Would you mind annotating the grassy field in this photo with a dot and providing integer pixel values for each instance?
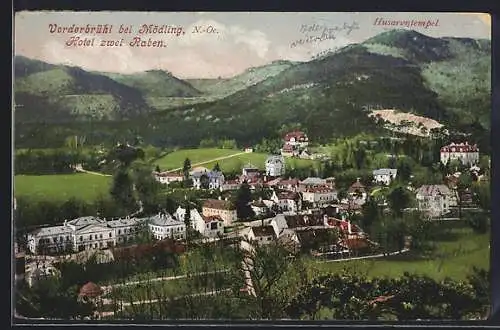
(176, 159)
(61, 187)
(454, 257)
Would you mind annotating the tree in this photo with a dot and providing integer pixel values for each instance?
(216, 167)
(122, 190)
(371, 214)
(157, 169)
(243, 200)
(399, 199)
(404, 170)
(204, 181)
(186, 167)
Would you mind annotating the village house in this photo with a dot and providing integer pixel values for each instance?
(250, 170)
(464, 152)
(287, 201)
(263, 235)
(222, 208)
(259, 207)
(319, 196)
(314, 182)
(164, 226)
(208, 226)
(168, 177)
(435, 200)
(357, 192)
(384, 175)
(208, 180)
(305, 154)
(275, 166)
(289, 150)
(296, 138)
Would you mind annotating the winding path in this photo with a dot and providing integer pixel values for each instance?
(209, 161)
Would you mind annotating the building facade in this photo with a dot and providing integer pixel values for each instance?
(222, 208)
(208, 180)
(464, 152)
(275, 166)
(435, 200)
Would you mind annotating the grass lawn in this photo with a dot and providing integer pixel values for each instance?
(258, 160)
(454, 257)
(176, 159)
(61, 187)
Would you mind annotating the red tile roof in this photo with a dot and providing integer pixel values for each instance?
(90, 290)
(298, 135)
(460, 147)
(288, 147)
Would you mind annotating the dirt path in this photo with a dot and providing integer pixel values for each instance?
(381, 255)
(79, 168)
(208, 161)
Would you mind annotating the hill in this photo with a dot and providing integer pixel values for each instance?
(60, 93)
(156, 83)
(334, 95)
(441, 79)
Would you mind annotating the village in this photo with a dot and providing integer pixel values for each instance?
(307, 216)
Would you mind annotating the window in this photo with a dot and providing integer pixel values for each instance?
(110, 234)
(100, 236)
(81, 238)
(119, 231)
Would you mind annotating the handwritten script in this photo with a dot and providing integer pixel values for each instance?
(143, 35)
(315, 33)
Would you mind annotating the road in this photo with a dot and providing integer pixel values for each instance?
(107, 288)
(209, 161)
(139, 302)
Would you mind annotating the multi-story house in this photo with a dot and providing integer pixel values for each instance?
(223, 208)
(289, 150)
(297, 138)
(275, 166)
(250, 170)
(319, 196)
(435, 200)
(357, 192)
(259, 207)
(384, 175)
(288, 184)
(91, 233)
(125, 229)
(262, 235)
(230, 185)
(314, 182)
(164, 226)
(464, 152)
(287, 201)
(208, 180)
(208, 226)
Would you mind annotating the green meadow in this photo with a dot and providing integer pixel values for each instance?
(454, 256)
(176, 159)
(61, 187)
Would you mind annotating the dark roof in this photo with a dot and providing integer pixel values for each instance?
(211, 218)
(218, 204)
(306, 237)
(294, 221)
(288, 195)
(90, 290)
(263, 231)
(357, 186)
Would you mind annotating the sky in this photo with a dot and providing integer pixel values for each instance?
(231, 43)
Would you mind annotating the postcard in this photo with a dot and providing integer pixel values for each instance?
(251, 166)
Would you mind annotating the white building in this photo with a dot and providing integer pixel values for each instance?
(319, 196)
(275, 166)
(90, 233)
(384, 175)
(164, 226)
(435, 200)
(259, 207)
(168, 177)
(210, 179)
(208, 226)
(250, 170)
(464, 152)
(261, 235)
(287, 201)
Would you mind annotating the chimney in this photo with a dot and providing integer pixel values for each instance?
(65, 222)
